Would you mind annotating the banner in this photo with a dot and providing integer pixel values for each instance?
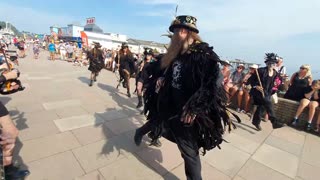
(91, 20)
(84, 38)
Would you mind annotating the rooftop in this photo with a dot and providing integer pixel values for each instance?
(93, 28)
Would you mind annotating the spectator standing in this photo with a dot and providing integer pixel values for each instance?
(69, 49)
(247, 87)
(63, 51)
(52, 50)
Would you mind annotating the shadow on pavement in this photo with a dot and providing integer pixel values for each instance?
(126, 104)
(123, 143)
(245, 127)
(84, 80)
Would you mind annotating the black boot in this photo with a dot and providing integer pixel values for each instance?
(140, 102)
(156, 143)
(128, 94)
(276, 123)
(140, 132)
(91, 82)
(257, 126)
(14, 173)
(138, 137)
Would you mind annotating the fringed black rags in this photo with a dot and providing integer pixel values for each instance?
(208, 101)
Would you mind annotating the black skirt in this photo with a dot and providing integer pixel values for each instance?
(96, 65)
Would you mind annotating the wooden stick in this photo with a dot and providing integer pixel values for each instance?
(260, 82)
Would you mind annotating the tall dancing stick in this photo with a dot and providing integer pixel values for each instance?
(260, 82)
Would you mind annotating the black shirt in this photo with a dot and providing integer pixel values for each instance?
(269, 82)
(308, 90)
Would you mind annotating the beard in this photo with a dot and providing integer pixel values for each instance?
(177, 46)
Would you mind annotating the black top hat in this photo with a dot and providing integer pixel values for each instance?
(124, 45)
(188, 22)
(148, 51)
(96, 44)
(271, 58)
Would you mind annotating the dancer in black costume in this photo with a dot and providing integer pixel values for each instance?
(186, 102)
(125, 63)
(96, 62)
(262, 83)
(143, 74)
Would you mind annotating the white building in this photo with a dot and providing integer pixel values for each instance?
(137, 46)
(104, 39)
(107, 40)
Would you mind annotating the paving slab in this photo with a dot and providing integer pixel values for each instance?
(238, 178)
(98, 154)
(95, 175)
(91, 134)
(43, 147)
(278, 160)
(228, 160)
(32, 107)
(30, 78)
(247, 131)
(93, 107)
(289, 135)
(61, 166)
(253, 170)
(33, 131)
(38, 117)
(75, 122)
(308, 172)
(61, 104)
(293, 148)
(70, 111)
(120, 126)
(208, 172)
(112, 115)
(125, 144)
(242, 143)
(131, 168)
(311, 151)
(162, 160)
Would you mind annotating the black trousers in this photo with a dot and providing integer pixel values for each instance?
(263, 103)
(186, 138)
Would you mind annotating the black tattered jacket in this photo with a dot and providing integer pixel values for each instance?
(192, 85)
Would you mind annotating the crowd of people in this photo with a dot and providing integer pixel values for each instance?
(300, 88)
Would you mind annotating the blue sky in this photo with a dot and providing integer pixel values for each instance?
(242, 29)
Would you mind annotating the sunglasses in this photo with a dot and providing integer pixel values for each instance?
(302, 68)
(239, 67)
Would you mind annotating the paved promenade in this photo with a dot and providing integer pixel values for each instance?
(69, 130)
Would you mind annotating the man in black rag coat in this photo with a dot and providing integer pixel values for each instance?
(185, 101)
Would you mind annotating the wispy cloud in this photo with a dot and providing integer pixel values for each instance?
(33, 20)
(265, 18)
(157, 2)
(158, 13)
